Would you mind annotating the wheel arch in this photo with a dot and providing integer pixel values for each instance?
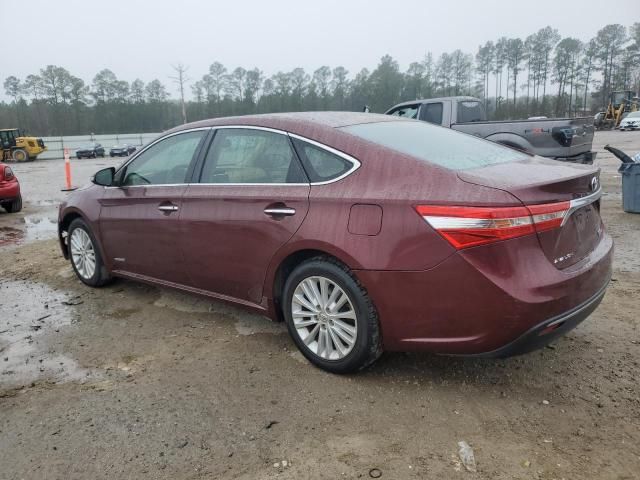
(63, 227)
(512, 141)
(282, 267)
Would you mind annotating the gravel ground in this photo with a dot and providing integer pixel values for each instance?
(132, 381)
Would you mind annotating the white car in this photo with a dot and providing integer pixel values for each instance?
(630, 122)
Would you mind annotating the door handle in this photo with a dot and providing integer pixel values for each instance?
(168, 208)
(280, 211)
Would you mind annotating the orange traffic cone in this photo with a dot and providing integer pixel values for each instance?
(67, 172)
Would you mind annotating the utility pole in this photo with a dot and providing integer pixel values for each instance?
(180, 79)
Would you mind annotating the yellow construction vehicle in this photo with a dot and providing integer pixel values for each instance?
(619, 103)
(14, 145)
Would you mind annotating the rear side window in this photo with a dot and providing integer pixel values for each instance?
(438, 145)
(470, 111)
(320, 164)
(432, 113)
(250, 156)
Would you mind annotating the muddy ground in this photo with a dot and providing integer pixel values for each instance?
(136, 382)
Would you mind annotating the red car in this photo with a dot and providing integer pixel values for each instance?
(362, 232)
(10, 198)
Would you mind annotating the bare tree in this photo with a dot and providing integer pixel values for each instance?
(181, 79)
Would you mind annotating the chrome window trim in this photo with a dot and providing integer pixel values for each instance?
(248, 127)
(140, 152)
(354, 162)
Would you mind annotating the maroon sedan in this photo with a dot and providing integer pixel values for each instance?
(362, 232)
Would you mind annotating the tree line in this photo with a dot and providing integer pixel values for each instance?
(543, 74)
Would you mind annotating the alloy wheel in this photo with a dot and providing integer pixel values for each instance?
(324, 318)
(83, 254)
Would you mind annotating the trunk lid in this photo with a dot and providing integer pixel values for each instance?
(540, 181)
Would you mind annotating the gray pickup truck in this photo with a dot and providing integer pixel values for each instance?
(566, 139)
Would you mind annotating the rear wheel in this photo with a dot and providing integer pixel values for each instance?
(85, 256)
(13, 206)
(20, 155)
(330, 317)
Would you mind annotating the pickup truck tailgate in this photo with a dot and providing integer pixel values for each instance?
(575, 134)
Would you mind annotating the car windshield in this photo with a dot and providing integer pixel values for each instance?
(434, 144)
(634, 115)
(88, 146)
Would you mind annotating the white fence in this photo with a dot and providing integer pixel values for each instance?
(56, 145)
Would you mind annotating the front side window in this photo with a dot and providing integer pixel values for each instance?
(251, 156)
(320, 164)
(409, 111)
(165, 162)
(432, 113)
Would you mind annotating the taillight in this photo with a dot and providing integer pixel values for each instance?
(8, 174)
(465, 227)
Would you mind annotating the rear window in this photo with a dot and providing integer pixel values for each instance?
(438, 145)
(470, 111)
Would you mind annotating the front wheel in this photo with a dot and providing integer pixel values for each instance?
(330, 317)
(20, 155)
(85, 256)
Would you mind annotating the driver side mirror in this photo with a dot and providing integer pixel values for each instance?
(104, 177)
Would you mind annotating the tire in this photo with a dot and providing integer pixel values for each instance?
(13, 206)
(20, 155)
(80, 232)
(111, 155)
(331, 353)
(102, 155)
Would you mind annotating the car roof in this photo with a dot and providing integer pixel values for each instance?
(295, 122)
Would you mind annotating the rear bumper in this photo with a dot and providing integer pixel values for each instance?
(483, 299)
(547, 331)
(9, 191)
(586, 158)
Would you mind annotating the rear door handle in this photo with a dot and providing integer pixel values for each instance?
(168, 208)
(280, 211)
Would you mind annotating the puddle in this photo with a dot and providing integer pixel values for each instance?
(246, 323)
(30, 314)
(47, 203)
(40, 227)
(29, 228)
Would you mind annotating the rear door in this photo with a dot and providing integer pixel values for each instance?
(251, 197)
(140, 219)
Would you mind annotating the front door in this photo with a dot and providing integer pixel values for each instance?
(140, 219)
(251, 199)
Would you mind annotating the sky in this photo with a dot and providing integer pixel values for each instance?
(142, 39)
